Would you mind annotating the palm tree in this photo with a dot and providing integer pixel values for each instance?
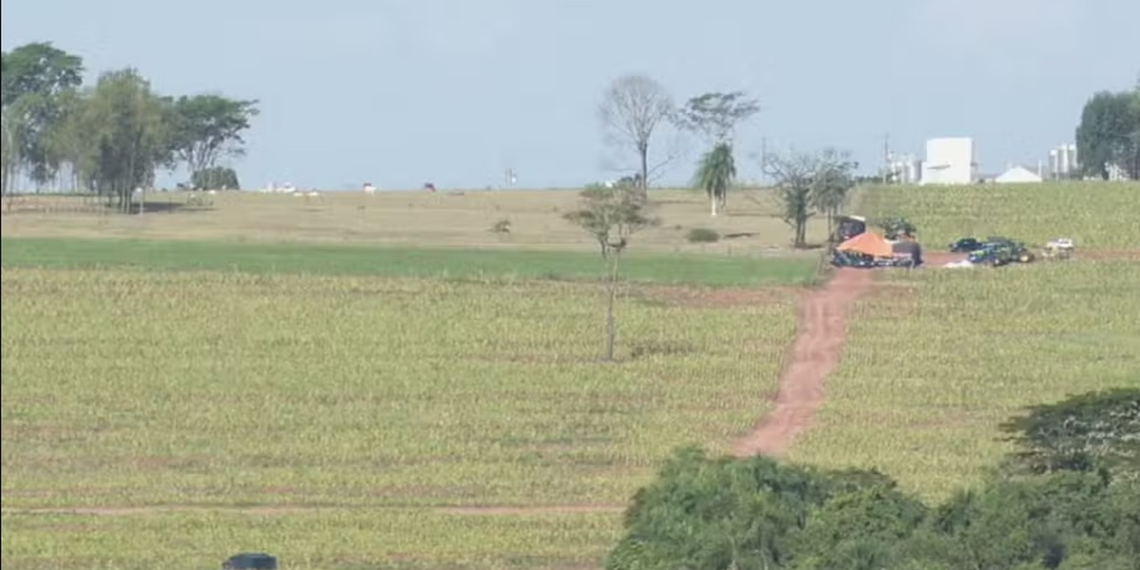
(715, 175)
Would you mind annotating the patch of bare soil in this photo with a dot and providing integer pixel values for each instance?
(813, 356)
(1108, 254)
(940, 258)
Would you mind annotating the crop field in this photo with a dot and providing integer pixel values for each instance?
(348, 413)
(442, 263)
(1095, 215)
(462, 219)
(937, 359)
(401, 388)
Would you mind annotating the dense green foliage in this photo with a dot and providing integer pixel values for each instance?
(715, 174)
(108, 138)
(1109, 134)
(755, 514)
(215, 178)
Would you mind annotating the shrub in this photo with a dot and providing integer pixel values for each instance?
(703, 235)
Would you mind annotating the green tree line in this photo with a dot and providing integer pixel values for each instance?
(1108, 135)
(1068, 498)
(111, 137)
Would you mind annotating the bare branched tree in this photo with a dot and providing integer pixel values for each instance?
(834, 178)
(632, 110)
(795, 177)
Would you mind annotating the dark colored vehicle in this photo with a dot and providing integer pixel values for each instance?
(965, 245)
(1000, 253)
(851, 259)
(1014, 249)
(995, 255)
(848, 227)
(250, 561)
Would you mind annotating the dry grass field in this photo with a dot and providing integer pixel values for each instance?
(451, 219)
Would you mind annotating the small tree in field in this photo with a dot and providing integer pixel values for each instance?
(715, 175)
(612, 215)
(795, 177)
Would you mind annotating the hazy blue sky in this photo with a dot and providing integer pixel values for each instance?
(453, 91)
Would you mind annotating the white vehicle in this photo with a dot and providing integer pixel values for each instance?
(1060, 248)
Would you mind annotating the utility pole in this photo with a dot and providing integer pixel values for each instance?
(763, 160)
(886, 157)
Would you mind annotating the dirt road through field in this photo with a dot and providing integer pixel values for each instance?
(813, 356)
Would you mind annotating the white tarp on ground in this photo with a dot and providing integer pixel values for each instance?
(965, 263)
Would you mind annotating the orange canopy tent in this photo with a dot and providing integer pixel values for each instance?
(868, 243)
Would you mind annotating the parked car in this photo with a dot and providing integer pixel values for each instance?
(966, 245)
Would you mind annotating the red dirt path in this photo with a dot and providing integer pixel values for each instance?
(813, 356)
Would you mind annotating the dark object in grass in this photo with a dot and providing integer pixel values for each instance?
(703, 235)
(250, 561)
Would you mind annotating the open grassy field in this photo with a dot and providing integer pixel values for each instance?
(937, 359)
(446, 219)
(391, 261)
(376, 400)
(352, 400)
(1095, 215)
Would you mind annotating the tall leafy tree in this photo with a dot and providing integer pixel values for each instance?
(38, 68)
(10, 145)
(34, 79)
(715, 175)
(1136, 127)
(123, 135)
(715, 116)
(65, 140)
(209, 128)
(1106, 136)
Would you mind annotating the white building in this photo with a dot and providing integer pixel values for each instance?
(1063, 162)
(1019, 175)
(905, 169)
(950, 161)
